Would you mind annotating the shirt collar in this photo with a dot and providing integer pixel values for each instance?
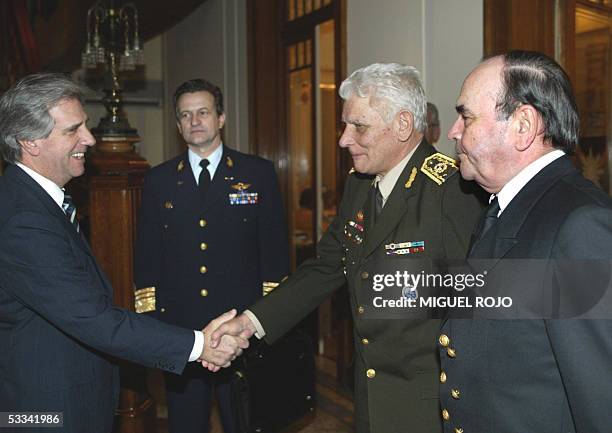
(516, 184)
(56, 193)
(213, 160)
(388, 181)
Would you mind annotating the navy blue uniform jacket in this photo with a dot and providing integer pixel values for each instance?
(196, 259)
(57, 322)
(547, 375)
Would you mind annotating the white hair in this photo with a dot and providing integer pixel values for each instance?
(392, 87)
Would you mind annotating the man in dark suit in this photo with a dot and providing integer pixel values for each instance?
(59, 330)
(517, 124)
(402, 200)
(211, 237)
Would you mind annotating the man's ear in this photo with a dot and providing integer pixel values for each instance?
(32, 147)
(527, 124)
(405, 124)
(221, 120)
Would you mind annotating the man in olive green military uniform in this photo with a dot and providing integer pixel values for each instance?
(421, 201)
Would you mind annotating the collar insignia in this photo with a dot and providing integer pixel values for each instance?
(413, 174)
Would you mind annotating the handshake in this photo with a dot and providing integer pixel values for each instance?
(224, 339)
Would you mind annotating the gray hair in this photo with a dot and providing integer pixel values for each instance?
(396, 86)
(24, 110)
(432, 114)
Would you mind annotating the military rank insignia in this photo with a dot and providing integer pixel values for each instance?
(438, 167)
(242, 196)
(402, 248)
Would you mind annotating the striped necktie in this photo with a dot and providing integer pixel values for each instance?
(70, 211)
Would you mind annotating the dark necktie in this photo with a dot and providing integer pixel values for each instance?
(379, 201)
(204, 179)
(487, 224)
(70, 211)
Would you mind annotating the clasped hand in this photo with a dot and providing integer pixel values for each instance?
(225, 349)
(224, 339)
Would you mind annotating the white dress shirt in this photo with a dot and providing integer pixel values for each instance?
(516, 184)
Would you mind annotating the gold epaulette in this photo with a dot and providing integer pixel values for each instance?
(439, 167)
(268, 286)
(144, 300)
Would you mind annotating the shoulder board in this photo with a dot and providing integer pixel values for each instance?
(439, 167)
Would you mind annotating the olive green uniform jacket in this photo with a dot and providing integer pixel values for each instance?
(396, 363)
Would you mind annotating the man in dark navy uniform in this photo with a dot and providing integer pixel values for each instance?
(211, 237)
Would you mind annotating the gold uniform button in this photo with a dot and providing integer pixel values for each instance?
(202, 223)
(451, 353)
(203, 269)
(364, 275)
(371, 373)
(445, 415)
(443, 340)
(203, 292)
(458, 430)
(360, 310)
(442, 377)
(365, 341)
(203, 246)
(455, 393)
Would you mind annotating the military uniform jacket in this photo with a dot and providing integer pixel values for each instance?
(396, 364)
(196, 259)
(544, 376)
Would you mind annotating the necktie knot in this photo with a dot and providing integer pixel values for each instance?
(204, 163)
(493, 209)
(70, 211)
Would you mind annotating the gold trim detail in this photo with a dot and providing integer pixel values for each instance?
(144, 300)
(438, 167)
(168, 205)
(413, 174)
(352, 170)
(268, 286)
(181, 166)
(229, 162)
(241, 186)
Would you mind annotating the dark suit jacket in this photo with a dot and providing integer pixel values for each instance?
(207, 257)
(544, 376)
(396, 362)
(58, 327)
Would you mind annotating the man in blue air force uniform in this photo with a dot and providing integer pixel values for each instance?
(211, 237)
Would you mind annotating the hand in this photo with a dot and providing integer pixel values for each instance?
(239, 326)
(225, 350)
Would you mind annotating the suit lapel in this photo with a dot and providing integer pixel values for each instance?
(187, 192)
(398, 204)
(26, 181)
(518, 210)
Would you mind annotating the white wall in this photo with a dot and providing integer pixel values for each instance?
(442, 38)
(454, 42)
(210, 43)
